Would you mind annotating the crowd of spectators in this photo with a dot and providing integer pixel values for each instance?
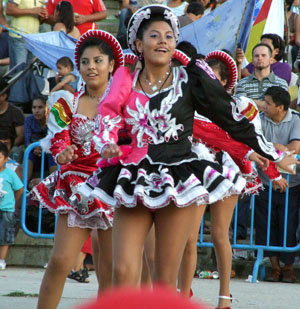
(266, 80)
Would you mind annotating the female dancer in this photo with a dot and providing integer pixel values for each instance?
(64, 19)
(218, 140)
(162, 179)
(70, 126)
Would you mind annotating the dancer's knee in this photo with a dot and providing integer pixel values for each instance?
(60, 263)
(219, 236)
(124, 272)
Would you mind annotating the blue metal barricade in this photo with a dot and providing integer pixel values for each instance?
(259, 264)
(245, 246)
(37, 234)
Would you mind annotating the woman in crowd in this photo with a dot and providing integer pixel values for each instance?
(64, 19)
(35, 130)
(70, 128)
(162, 179)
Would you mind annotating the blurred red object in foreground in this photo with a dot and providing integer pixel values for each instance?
(160, 297)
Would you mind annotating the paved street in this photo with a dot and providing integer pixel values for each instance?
(261, 295)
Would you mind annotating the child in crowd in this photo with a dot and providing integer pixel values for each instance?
(8, 139)
(65, 79)
(11, 189)
(35, 130)
(296, 7)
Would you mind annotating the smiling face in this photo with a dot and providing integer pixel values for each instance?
(158, 43)
(95, 67)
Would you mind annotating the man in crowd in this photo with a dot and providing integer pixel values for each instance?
(280, 125)
(255, 85)
(11, 117)
(128, 8)
(4, 55)
(194, 12)
(86, 12)
(25, 17)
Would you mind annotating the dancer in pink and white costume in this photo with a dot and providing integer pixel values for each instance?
(71, 124)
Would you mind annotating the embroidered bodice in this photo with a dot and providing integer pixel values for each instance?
(161, 125)
(67, 127)
(81, 132)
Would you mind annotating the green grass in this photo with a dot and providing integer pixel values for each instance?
(21, 294)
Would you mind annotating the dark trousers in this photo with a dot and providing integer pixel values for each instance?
(277, 221)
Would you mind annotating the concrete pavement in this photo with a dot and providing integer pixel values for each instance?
(262, 295)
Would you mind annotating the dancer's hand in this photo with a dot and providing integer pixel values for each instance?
(280, 147)
(287, 161)
(111, 151)
(281, 183)
(67, 155)
(262, 162)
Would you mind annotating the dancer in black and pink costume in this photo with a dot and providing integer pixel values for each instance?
(162, 180)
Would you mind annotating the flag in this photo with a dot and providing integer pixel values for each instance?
(259, 25)
(276, 13)
(50, 46)
(218, 29)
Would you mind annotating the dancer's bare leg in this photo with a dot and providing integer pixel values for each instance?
(189, 258)
(79, 261)
(95, 250)
(104, 261)
(173, 227)
(131, 226)
(67, 245)
(148, 258)
(146, 279)
(221, 215)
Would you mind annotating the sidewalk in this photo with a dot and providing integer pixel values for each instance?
(262, 295)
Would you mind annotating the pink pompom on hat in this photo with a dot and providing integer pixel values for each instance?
(230, 63)
(109, 39)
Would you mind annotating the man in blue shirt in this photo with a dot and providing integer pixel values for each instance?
(280, 125)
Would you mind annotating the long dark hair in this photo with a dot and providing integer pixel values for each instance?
(95, 42)
(65, 15)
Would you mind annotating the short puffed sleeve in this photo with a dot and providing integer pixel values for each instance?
(60, 111)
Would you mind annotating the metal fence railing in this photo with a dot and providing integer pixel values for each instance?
(259, 264)
(24, 226)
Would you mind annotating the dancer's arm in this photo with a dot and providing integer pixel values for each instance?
(110, 114)
(211, 100)
(58, 134)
